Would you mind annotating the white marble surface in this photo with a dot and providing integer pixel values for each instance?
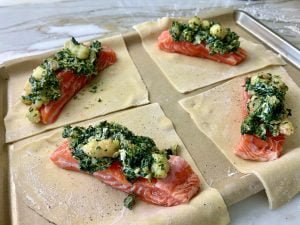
(255, 211)
(32, 26)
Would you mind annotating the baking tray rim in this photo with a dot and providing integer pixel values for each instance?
(285, 51)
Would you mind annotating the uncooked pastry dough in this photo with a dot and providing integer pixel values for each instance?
(217, 113)
(118, 86)
(66, 197)
(187, 73)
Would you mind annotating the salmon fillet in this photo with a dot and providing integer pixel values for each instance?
(70, 84)
(178, 187)
(166, 43)
(254, 148)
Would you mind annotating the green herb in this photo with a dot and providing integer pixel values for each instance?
(174, 150)
(266, 110)
(137, 157)
(197, 33)
(135, 153)
(74, 41)
(129, 201)
(67, 61)
(47, 88)
(93, 89)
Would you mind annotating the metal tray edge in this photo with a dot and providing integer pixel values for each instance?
(268, 37)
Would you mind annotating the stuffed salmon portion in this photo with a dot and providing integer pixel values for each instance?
(54, 82)
(70, 84)
(178, 187)
(204, 39)
(112, 176)
(166, 43)
(129, 163)
(266, 122)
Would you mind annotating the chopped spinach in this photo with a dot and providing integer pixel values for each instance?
(46, 87)
(93, 89)
(196, 33)
(74, 41)
(265, 87)
(266, 109)
(129, 201)
(136, 157)
(135, 152)
(67, 61)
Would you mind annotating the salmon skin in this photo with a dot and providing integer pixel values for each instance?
(70, 84)
(166, 43)
(254, 148)
(178, 187)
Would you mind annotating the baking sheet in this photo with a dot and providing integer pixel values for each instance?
(216, 169)
(266, 35)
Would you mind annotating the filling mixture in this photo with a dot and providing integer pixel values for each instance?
(98, 147)
(217, 39)
(43, 85)
(267, 115)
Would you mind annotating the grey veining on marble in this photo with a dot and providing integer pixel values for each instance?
(32, 26)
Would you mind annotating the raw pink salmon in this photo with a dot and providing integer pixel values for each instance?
(254, 148)
(166, 43)
(70, 84)
(178, 187)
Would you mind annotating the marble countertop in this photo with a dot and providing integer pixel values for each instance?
(32, 26)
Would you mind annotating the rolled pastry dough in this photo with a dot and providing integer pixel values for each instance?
(65, 197)
(218, 114)
(118, 87)
(187, 73)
